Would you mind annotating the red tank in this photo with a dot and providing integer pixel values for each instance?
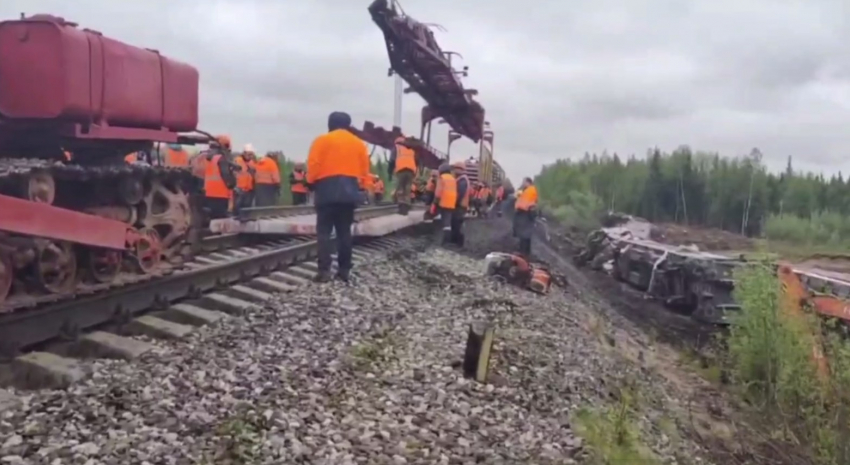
(51, 70)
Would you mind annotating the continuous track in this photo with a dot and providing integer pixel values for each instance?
(227, 260)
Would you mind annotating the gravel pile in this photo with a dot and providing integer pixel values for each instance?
(366, 374)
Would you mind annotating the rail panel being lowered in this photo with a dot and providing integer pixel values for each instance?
(369, 221)
(416, 56)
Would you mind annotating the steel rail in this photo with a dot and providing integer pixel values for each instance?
(44, 318)
(22, 329)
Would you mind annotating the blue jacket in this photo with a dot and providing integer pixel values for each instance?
(462, 187)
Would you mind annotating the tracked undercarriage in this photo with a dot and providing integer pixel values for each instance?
(155, 203)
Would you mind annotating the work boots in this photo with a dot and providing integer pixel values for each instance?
(323, 277)
(403, 209)
(344, 275)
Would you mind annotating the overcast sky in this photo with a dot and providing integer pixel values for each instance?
(562, 79)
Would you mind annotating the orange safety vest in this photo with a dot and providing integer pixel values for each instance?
(299, 188)
(483, 193)
(500, 193)
(527, 199)
(405, 159)
(199, 165)
(176, 158)
(464, 202)
(447, 191)
(267, 172)
(132, 157)
(214, 186)
(245, 180)
(379, 186)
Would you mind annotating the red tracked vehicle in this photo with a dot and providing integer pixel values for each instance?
(416, 56)
(73, 103)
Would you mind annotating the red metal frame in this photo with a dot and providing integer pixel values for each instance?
(377, 135)
(41, 220)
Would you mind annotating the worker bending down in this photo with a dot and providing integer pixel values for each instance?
(445, 200)
(337, 165)
(176, 156)
(219, 178)
(464, 191)
(431, 187)
(298, 185)
(403, 165)
(267, 181)
(245, 177)
(378, 188)
(525, 215)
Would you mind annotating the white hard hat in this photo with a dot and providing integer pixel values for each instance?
(248, 148)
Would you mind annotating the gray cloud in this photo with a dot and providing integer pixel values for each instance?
(557, 80)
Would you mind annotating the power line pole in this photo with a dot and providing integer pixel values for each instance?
(397, 98)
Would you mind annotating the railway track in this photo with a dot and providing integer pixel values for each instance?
(225, 277)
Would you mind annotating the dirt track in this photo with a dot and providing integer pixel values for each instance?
(653, 337)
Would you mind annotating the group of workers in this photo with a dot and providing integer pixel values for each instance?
(338, 176)
(230, 182)
(241, 181)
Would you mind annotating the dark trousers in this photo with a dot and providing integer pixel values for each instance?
(217, 208)
(458, 216)
(379, 197)
(299, 198)
(338, 218)
(265, 195)
(244, 200)
(404, 180)
(443, 225)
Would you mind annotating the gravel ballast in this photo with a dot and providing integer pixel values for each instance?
(366, 374)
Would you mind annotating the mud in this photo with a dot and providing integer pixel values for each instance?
(708, 239)
(654, 338)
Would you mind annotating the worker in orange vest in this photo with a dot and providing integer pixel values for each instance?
(176, 156)
(483, 198)
(464, 191)
(403, 165)
(298, 184)
(504, 191)
(378, 188)
(245, 177)
(219, 178)
(431, 187)
(267, 181)
(525, 215)
(445, 201)
(337, 167)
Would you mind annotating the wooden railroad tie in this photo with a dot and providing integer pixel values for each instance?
(479, 348)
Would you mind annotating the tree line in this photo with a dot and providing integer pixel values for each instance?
(701, 188)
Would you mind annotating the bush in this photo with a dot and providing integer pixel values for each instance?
(822, 229)
(579, 210)
(771, 349)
